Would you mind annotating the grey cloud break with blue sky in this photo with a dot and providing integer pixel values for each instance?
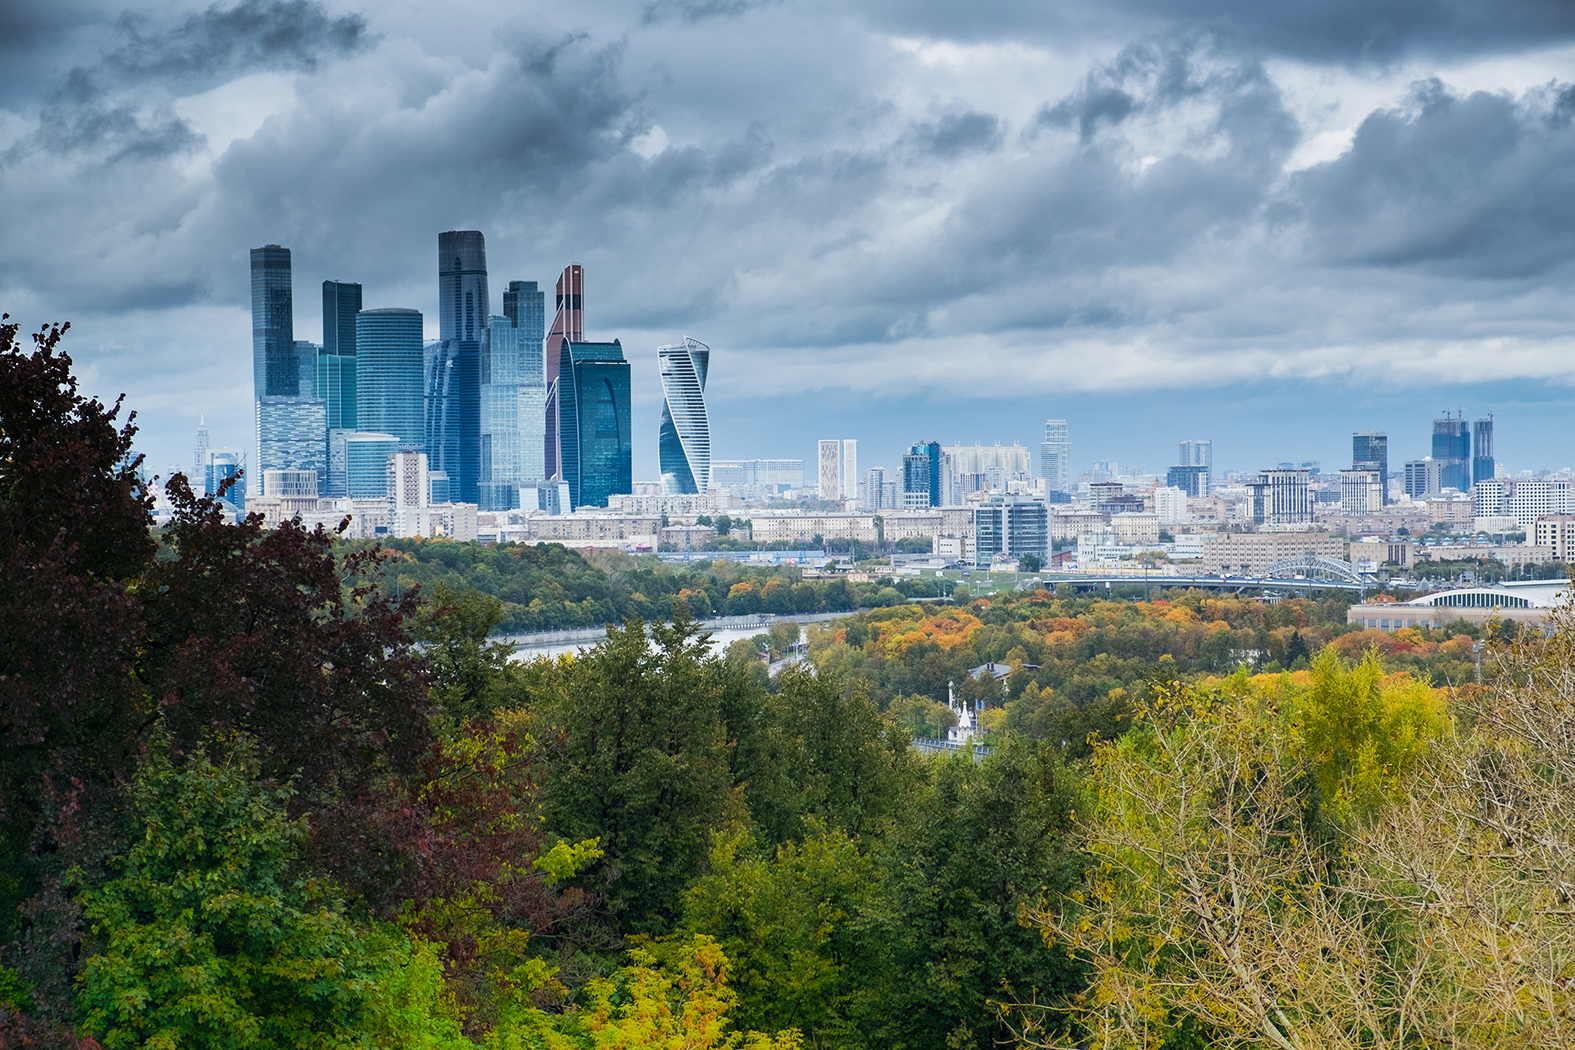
(1269, 224)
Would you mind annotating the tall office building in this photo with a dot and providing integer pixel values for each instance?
(388, 365)
(684, 439)
(199, 455)
(292, 435)
(1011, 525)
(1482, 450)
(334, 368)
(921, 476)
(275, 372)
(341, 302)
(513, 397)
(880, 492)
(1055, 457)
(568, 325)
(1422, 478)
(1192, 480)
(221, 464)
(1370, 451)
(1452, 451)
(453, 368)
(594, 438)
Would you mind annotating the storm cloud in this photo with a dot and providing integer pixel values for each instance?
(905, 202)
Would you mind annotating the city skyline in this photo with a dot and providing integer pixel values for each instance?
(936, 218)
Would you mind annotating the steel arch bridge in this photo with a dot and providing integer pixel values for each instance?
(1315, 567)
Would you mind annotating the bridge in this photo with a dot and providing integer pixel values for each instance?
(1291, 577)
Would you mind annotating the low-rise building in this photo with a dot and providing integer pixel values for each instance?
(1523, 602)
(689, 537)
(1255, 553)
(1135, 528)
(802, 528)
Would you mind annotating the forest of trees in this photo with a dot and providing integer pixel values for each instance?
(259, 792)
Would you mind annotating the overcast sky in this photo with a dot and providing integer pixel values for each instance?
(1268, 224)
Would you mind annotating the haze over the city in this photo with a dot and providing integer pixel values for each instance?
(1269, 225)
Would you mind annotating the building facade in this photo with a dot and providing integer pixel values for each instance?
(1011, 526)
(683, 442)
(341, 302)
(1422, 478)
(1194, 480)
(756, 478)
(1281, 497)
(292, 434)
(922, 473)
(388, 374)
(1361, 491)
(568, 325)
(1370, 451)
(513, 398)
(829, 468)
(1452, 452)
(593, 426)
(275, 372)
(1055, 457)
(1482, 464)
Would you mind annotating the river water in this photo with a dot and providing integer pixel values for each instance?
(720, 640)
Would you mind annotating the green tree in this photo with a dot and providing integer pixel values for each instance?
(208, 935)
(469, 672)
(643, 763)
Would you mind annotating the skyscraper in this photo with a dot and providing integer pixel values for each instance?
(1055, 456)
(1482, 464)
(1370, 451)
(567, 325)
(388, 364)
(1452, 451)
(512, 398)
(684, 438)
(850, 468)
(1196, 454)
(829, 460)
(453, 391)
(341, 302)
(593, 425)
(199, 455)
(274, 369)
(921, 476)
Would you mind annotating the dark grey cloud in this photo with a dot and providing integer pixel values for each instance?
(1480, 185)
(252, 35)
(693, 11)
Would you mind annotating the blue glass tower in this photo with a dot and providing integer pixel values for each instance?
(684, 439)
(388, 374)
(275, 372)
(453, 423)
(513, 397)
(593, 421)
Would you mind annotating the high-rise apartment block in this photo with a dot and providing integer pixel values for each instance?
(388, 379)
(1281, 497)
(1452, 451)
(829, 460)
(1482, 465)
(408, 489)
(881, 492)
(1370, 451)
(850, 468)
(684, 438)
(292, 434)
(568, 326)
(756, 478)
(1196, 454)
(983, 468)
(594, 439)
(1055, 457)
(513, 398)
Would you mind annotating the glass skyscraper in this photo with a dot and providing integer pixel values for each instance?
(513, 398)
(1482, 466)
(1452, 452)
(388, 364)
(453, 409)
(341, 302)
(568, 323)
(1055, 457)
(292, 434)
(275, 372)
(593, 424)
(1370, 451)
(684, 439)
(366, 464)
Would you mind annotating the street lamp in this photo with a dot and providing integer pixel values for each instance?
(1476, 650)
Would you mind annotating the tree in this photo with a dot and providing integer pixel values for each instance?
(205, 936)
(1030, 562)
(641, 765)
